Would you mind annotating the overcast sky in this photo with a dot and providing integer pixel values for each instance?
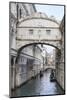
(51, 10)
(48, 48)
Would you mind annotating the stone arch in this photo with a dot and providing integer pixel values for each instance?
(22, 47)
(49, 68)
(38, 15)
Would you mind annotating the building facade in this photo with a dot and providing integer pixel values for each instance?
(60, 64)
(29, 64)
(16, 12)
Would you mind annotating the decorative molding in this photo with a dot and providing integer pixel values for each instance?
(38, 27)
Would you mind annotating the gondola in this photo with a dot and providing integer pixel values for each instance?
(41, 73)
(52, 76)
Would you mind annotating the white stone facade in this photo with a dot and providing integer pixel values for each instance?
(30, 63)
(37, 28)
(61, 67)
(16, 12)
(14, 9)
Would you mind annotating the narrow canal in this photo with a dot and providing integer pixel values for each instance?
(38, 86)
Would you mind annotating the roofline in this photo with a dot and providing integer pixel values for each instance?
(41, 3)
(29, 18)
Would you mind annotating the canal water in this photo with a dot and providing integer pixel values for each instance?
(39, 86)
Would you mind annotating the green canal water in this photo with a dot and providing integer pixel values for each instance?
(39, 86)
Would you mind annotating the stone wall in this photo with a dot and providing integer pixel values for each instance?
(16, 12)
(60, 67)
(29, 64)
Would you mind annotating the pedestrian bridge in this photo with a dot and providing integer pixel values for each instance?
(48, 67)
(38, 28)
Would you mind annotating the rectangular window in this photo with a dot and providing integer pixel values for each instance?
(31, 31)
(48, 31)
(20, 13)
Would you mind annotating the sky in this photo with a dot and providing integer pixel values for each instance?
(51, 10)
(48, 48)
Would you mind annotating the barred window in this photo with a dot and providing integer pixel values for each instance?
(48, 31)
(31, 31)
(20, 13)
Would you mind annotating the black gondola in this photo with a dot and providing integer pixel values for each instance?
(52, 76)
(41, 73)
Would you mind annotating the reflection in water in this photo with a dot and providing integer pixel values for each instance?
(38, 86)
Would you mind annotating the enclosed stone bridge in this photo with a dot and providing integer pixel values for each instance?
(49, 67)
(38, 28)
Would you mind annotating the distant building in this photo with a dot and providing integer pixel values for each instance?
(51, 58)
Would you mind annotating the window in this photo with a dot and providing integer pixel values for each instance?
(31, 31)
(20, 13)
(48, 31)
(12, 61)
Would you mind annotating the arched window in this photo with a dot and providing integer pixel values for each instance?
(12, 61)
